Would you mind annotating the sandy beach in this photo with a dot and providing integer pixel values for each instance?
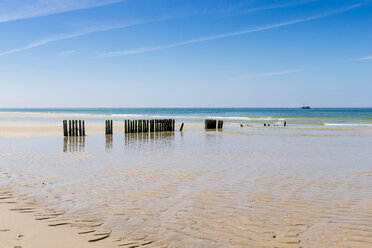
(52, 125)
(240, 187)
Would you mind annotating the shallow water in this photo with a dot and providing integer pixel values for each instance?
(252, 116)
(256, 187)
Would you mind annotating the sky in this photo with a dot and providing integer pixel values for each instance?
(185, 53)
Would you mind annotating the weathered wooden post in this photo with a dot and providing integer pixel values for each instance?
(220, 124)
(181, 127)
(69, 128)
(83, 128)
(65, 133)
(108, 127)
(80, 130)
(76, 128)
(73, 127)
(285, 123)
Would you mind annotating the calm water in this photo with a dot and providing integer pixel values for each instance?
(317, 116)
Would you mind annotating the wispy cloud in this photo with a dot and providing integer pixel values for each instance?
(64, 37)
(271, 74)
(226, 35)
(20, 9)
(363, 58)
(270, 7)
(67, 53)
(45, 41)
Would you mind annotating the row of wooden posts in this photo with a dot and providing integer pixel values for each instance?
(145, 126)
(73, 128)
(77, 127)
(213, 124)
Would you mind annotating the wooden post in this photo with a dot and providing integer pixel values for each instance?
(285, 123)
(220, 124)
(181, 127)
(73, 127)
(83, 128)
(76, 128)
(80, 131)
(106, 127)
(65, 133)
(69, 128)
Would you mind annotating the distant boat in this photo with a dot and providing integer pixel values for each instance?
(305, 107)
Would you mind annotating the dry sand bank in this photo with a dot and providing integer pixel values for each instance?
(14, 129)
(21, 230)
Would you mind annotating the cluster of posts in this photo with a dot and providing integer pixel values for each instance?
(73, 128)
(213, 124)
(109, 129)
(145, 126)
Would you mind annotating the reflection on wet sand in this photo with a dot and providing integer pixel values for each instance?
(109, 138)
(73, 144)
(136, 140)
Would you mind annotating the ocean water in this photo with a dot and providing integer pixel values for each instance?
(249, 116)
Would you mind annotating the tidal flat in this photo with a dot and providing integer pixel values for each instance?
(240, 187)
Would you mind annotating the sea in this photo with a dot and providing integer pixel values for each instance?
(233, 116)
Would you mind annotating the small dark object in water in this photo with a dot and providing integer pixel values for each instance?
(241, 125)
(264, 124)
(268, 125)
(285, 123)
(305, 107)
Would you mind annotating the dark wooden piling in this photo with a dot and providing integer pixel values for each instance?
(151, 126)
(65, 132)
(73, 128)
(69, 128)
(109, 128)
(220, 124)
(84, 128)
(181, 127)
(285, 123)
(80, 130)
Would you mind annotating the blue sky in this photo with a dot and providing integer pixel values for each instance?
(185, 53)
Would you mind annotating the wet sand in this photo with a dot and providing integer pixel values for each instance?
(243, 187)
